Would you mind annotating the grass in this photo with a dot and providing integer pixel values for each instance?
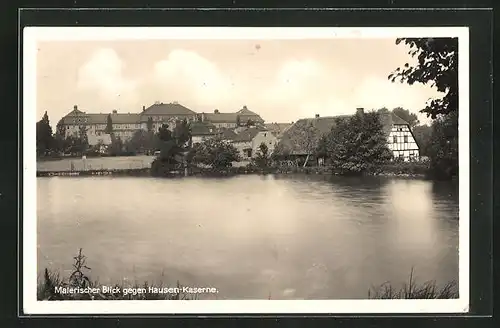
(413, 290)
(92, 290)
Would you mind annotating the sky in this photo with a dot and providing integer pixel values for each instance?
(281, 80)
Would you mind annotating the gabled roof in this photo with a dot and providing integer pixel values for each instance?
(246, 111)
(171, 109)
(248, 134)
(278, 128)
(227, 134)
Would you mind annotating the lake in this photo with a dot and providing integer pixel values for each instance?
(252, 237)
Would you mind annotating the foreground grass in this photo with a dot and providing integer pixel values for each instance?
(49, 287)
(413, 290)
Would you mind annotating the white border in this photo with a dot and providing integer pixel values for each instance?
(32, 35)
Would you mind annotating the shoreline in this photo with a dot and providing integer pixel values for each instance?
(145, 172)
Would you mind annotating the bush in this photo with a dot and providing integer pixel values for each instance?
(410, 168)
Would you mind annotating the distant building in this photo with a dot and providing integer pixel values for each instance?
(231, 120)
(278, 128)
(126, 124)
(400, 139)
(201, 131)
(248, 142)
(161, 113)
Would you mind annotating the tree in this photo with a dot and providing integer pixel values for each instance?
(109, 125)
(215, 153)
(44, 139)
(423, 135)
(262, 157)
(116, 147)
(83, 141)
(322, 147)
(358, 144)
(443, 146)
(238, 120)
(280, 152)
(250, 123)
(182, 133)
(406, 115)
(311, 137)
(438, 65)
(149, 124)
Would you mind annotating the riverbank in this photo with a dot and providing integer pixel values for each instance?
(80, 286)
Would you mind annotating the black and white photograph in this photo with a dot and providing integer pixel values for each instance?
(245, 170)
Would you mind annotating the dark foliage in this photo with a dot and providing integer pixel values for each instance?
(438, 65)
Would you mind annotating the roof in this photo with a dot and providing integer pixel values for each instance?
(171, 109)
(294, 138)
(79, 117)
(227, 134)
(221, 117)
(202, 128)
(278, 128)
(388, 119)
(246, 111)
(247, 135)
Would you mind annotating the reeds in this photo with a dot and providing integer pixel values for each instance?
(413, 290)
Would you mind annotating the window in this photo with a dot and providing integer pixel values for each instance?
(395, 139)
(265, 134)
(249, 153)
(405, 139)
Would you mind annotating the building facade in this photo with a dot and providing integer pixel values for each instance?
(400, 138)
(248, 142)
(153, 117)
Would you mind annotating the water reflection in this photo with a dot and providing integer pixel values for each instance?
(307, 236)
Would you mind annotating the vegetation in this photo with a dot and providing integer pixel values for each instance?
(262, 159)
(51, 282)
(50, 285)
(173, 146)
(413, 290)
(214, 153)
(437, 65)
(44, 138)
(357, 145)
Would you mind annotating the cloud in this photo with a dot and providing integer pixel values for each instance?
(185, 76)
(103, 73)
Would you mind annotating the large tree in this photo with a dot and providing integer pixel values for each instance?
(109, 125)
(423, 135)
(262, 157)
(443, 146)
(406, 115)
(216, 153)
(437, 65)
(44, 138)
(358, 144)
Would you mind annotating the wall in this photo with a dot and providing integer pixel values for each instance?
(405, 145)
(264, 137)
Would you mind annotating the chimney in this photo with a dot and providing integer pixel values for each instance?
(75, 107)
(115, 111)
(360, 110)
(317, 116)
(216, 111)
(143, 108)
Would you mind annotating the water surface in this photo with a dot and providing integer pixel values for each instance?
(288, 237)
